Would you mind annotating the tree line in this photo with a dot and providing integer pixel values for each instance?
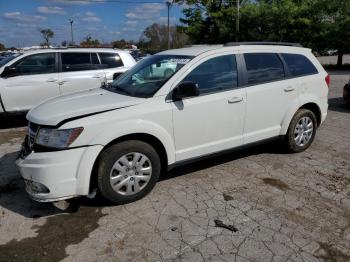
(317, 24)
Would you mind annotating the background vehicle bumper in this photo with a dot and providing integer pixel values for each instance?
(53, 176)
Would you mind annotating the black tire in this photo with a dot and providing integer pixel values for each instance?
(109, 157)
(290, 142)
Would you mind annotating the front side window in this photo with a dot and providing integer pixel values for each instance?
(79, 62)
(44, 63)
(149, 75)
(215, 74)
(110, 60)
(299, 65)
(263, 67)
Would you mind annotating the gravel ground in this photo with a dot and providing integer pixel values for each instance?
(277, 207)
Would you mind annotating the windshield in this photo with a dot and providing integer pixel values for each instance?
(149, 75)
(7, 59)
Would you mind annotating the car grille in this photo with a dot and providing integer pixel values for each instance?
(32, 131)
(29, 141)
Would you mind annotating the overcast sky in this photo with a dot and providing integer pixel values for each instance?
(106, 20)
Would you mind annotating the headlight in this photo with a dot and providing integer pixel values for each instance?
(56, 138)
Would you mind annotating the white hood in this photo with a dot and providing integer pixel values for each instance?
(55, 110)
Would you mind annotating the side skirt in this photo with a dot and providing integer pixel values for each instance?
(224, 152)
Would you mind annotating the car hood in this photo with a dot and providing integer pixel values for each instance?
(85, 103)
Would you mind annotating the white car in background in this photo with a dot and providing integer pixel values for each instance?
(37, 75)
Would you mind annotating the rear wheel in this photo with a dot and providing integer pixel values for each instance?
(301, 131)
(128, 171)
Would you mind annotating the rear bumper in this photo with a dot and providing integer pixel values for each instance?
(324, 113)
(53, 176)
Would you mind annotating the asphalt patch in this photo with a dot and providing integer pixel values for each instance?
(227, 197)
(276, 183)
(9, 188)
(53, 237)
(331, 254)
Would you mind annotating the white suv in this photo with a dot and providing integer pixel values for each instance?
(118, 140)
(30, 78)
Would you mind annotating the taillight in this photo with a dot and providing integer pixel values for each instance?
(328, 80)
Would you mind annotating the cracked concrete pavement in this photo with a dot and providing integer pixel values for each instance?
(286, 207)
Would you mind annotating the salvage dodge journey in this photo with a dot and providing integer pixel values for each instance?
(119, 139)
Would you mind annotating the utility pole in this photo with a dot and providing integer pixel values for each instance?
(168, 3)
(71, 21)
(237, 20)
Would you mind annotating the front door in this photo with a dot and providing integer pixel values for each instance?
(214, 120)
(34, 82)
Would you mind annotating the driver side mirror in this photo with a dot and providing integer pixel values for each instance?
(9, 72)
(184, 90)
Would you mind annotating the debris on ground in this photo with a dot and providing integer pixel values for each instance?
(219, 223)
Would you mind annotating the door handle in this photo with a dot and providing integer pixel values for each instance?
(288, 89)
(97, 76)
(235, 100)
(50, 80)
(62, 82)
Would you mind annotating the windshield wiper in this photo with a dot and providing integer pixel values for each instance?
(120, 89)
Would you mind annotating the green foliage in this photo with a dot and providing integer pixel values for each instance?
(155, 38)
(121, 44)
(318, 24)
(2, 47)
(89, 42)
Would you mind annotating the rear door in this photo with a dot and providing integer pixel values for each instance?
(80, 71)
(35, 81)
(269, 95)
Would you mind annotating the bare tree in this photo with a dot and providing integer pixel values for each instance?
(47, 34)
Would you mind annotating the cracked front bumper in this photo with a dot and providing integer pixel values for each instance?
(53, 176)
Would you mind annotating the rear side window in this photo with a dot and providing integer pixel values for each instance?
(299, 65)
(110, 60)
(79, 62)
(263, 67)
(215, 74)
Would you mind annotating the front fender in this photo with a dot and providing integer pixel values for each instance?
(129, 127)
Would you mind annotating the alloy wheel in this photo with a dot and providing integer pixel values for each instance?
(130, 173)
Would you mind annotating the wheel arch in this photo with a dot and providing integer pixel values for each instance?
(144, 137)
(314, 108)
(310, 105)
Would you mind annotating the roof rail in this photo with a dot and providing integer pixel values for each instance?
(263, 43)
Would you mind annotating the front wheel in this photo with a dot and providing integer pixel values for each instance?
(128, 171)
(301, 131)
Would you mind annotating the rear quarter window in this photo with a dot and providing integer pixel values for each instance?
(110, 60)
(299, 65)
